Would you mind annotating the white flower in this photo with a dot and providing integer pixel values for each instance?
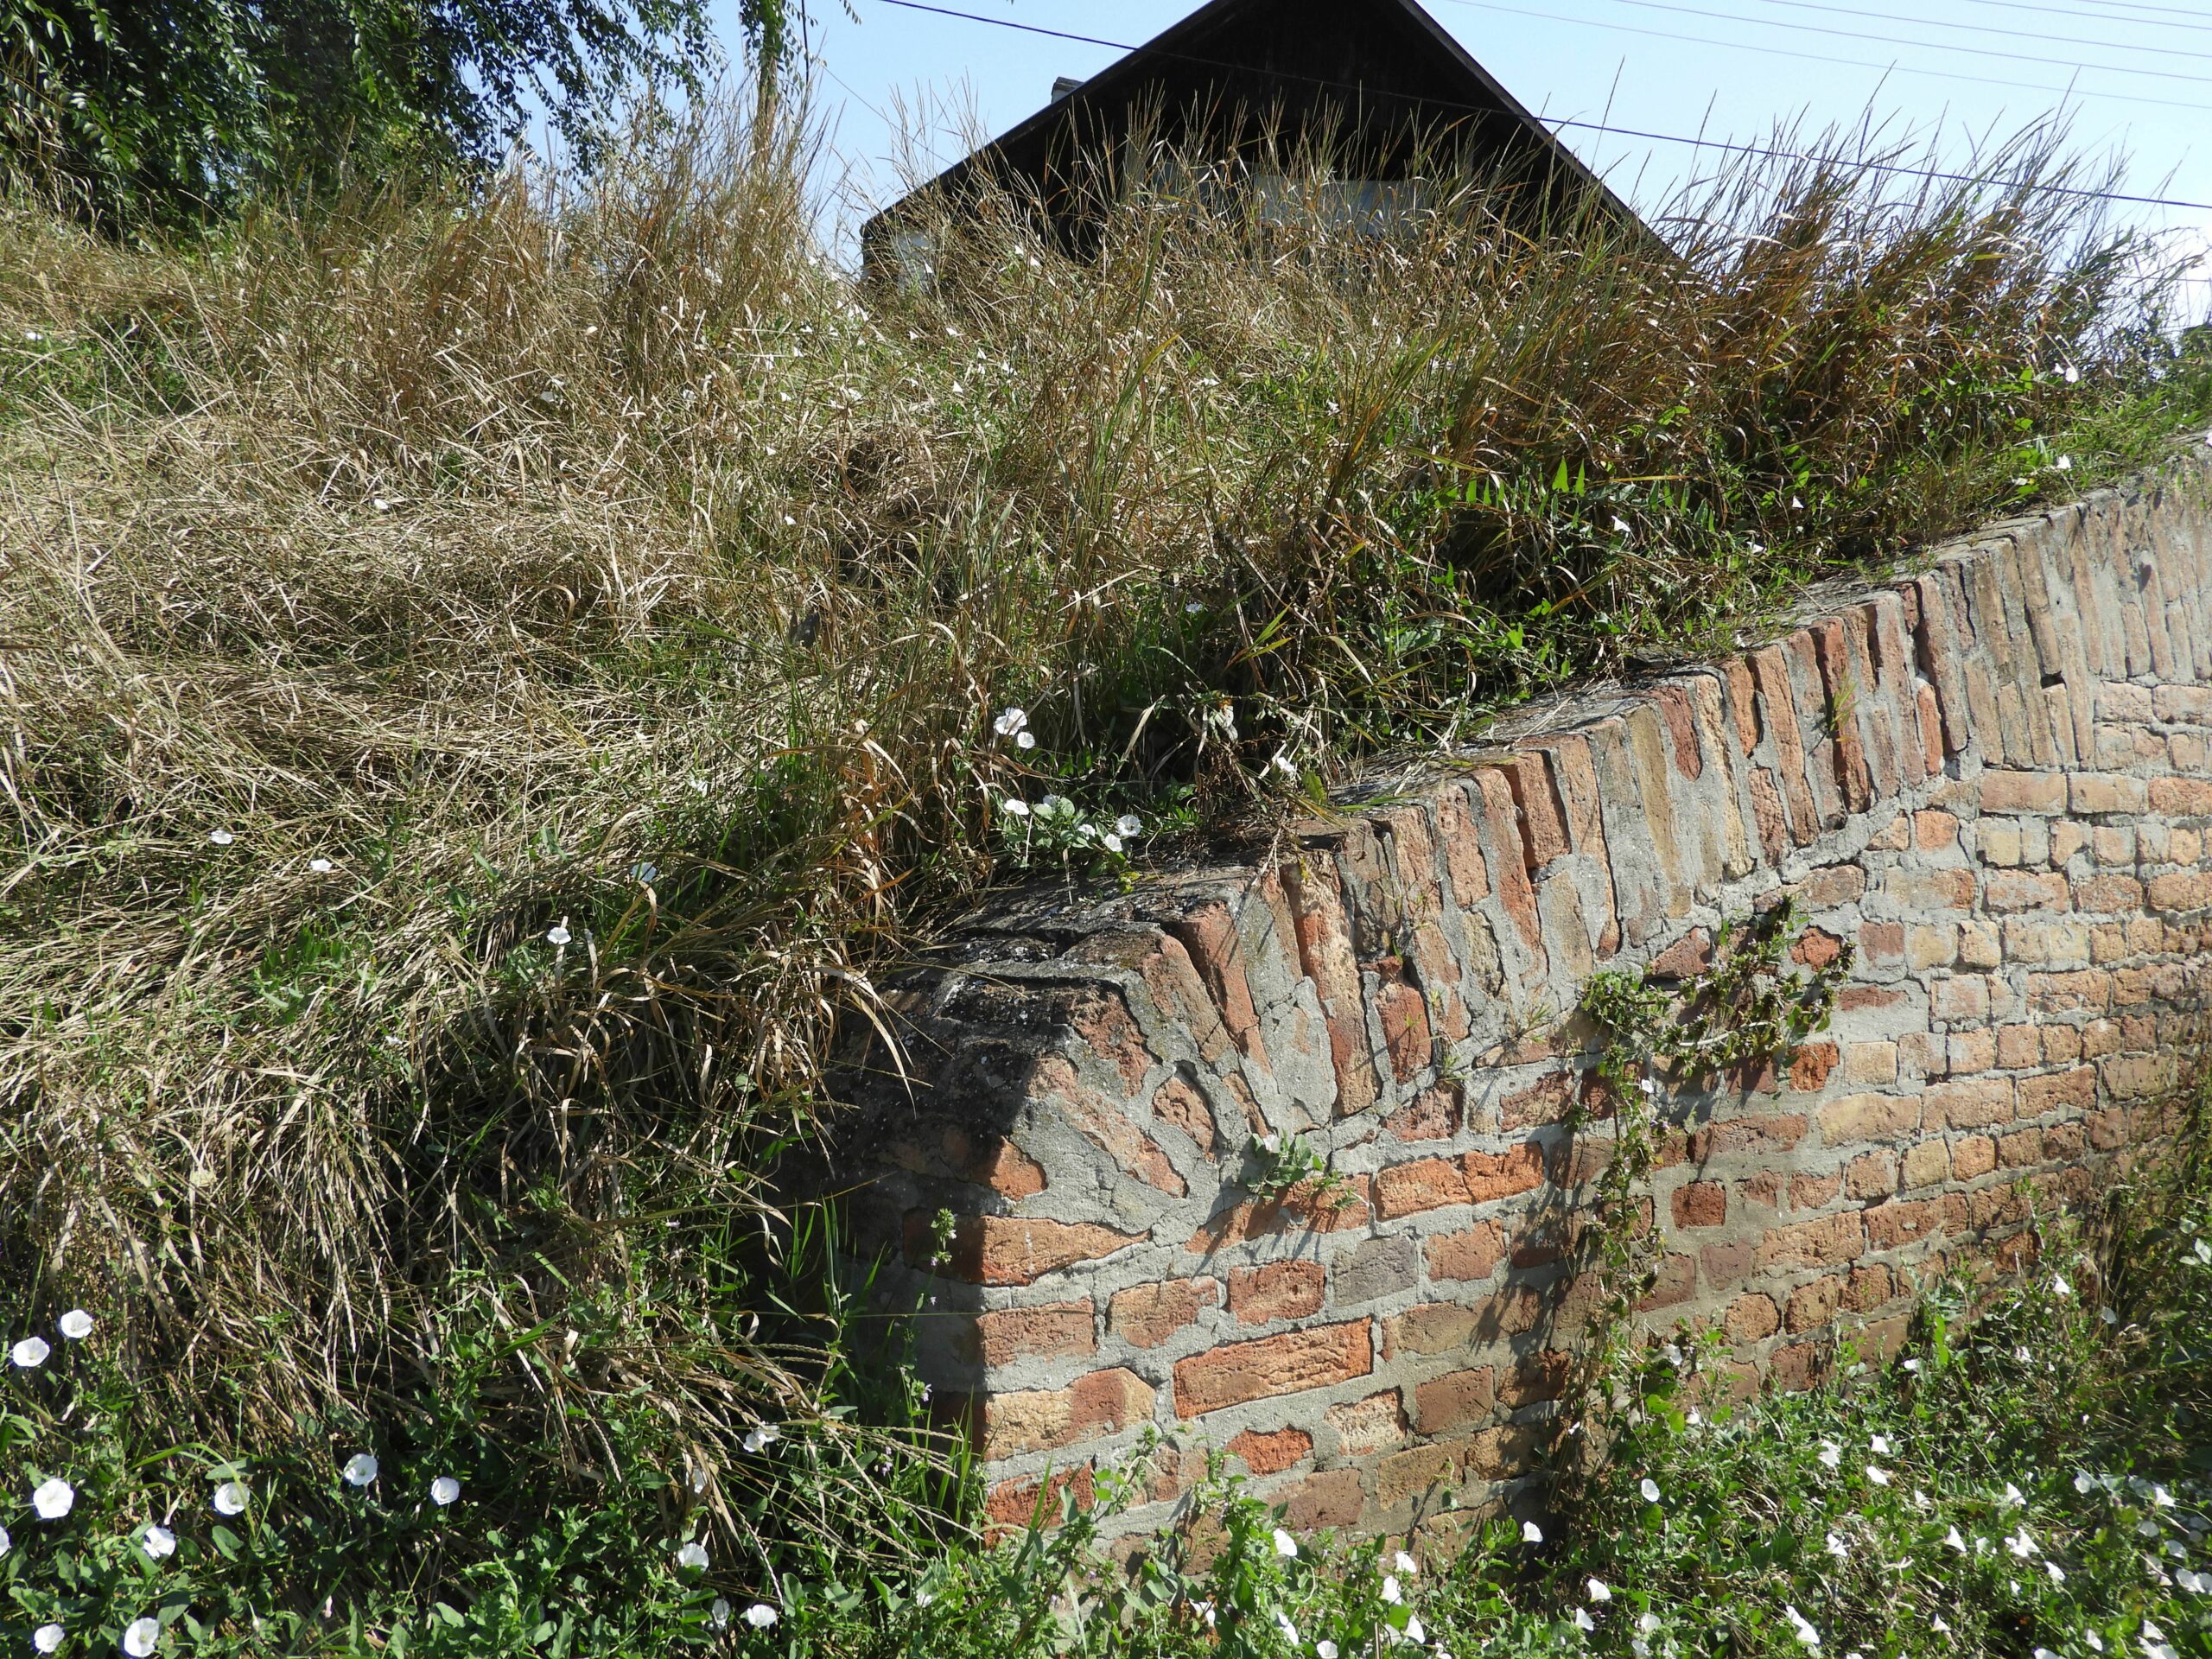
(141, 1638)
(1531, 1533)
(761, 1436)
(1802, 1625)
(1406, 1564)
(1052, 805)
(2095, 1641)
(54, 1498)
(1937, 1625)
(2109, 1315)
(360, 1469)
(558, 934)
(1650, 1490)
(1648, 1623)
(1913, 1365)
(1204, 1610)
(47, 1637)
(6, 1542)
(1024, 741)
(1391, 1594)
(1620, 526)
(320, 866)
(1600, 1591)
(1838, 1548)
(1285, 1545)
(444, 1489)
(2161, 1498)
(1111, 841)
(2151, 1630)
(1879, 1476)
(1014, 809)
(760, 1615)
(1010, 721)
(2072, 374)
(1583, 1621)
(1881, 1445)
(1324, 1649)
(1919, 1499)
(1414, 1630)
(1648, 1086)
(718, 1615)
(1954, 1541)
(1831, 1454)
(221, 837)
(159, 1543)
(2059, 1286)
(2020, 1544)
(2066, 463)
(1289, 1630)
(2057, 1575)
(1128, 826)
(31, 1353)
(693, 1555)
(2012, 1498)
(230, 1498)
(76, 1324)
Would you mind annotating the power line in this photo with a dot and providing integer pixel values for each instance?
(1585, 126)
(1944, 23)
(1774, 51)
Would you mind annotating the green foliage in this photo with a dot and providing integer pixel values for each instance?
(168, 108)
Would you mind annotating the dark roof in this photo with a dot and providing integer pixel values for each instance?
(1387, 74)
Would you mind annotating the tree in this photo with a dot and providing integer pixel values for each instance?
(172, 107)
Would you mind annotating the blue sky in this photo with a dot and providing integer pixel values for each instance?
(1954, 71)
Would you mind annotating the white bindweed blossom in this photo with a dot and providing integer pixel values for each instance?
(1650, 1490)
(221, 837)
(719, 1614)
(141, 1638)
(231, 1498)
(2021, 1544)
(693, 1555)
(2161, 1498)
(1407, 1565)
(1802, 1625)
(47, 1638)
(1324, 1649)
(1955, 1540)
(159, 1543)
(1285, 1545)
(2012, 1498)
(1111, 841)
(1600, 1591)
(1879, 1476)
(6, 1542)
(1531, 1533)
(2096, 1642)
(76, 1324)
(1204, 1610)
(1648, 1623)
(444, 1489)
(1391, 1594)
(1289, 1630)
(1831, 1455)
(1128, 826)
(1937, 1625)
(761, 1436)
(558, 935)
(1837, 1547)
(361, 1469)
(1011, 722)
(2084, 1482)
(1882, 1446)
(320, 866)
(1416, 1631)
(2059, 1286)
(1583, 1621)
(52, 1499)
(1014, 808)
(2057, 1574)
(29, 1354)
(761, 1616)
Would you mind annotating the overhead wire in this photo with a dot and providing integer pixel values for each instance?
(1945, 22)
(1554, 121)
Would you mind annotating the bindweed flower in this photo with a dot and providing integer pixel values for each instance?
(2096, 1642)
(1531, 1533)
(1879, 1476)
(1014, 808)
(1391, 1594)
(6, 1542)
(76, 1324)
(29, 1354)
(1285, 1545)
(719, 1614)
(52, 1499)
(1289, 1630)
(141, 1638)
(221, 837)
(1011, 722)
(693, 1555)
(1831, 1455)
(1838, 1548)
(1406, 1564)
(1204, 1610)
(1650, 1490)
(2066, 463)
(1583, 1621)
(1882, 1446)
(2013, 1498)
(320, 866)
(761, 1436)
(2057, 1574)
(1415, 1630)
(1802, 1625)
(231, 1498)
(558, 935)
(1128, 826)
(360, 1469)
(444, 1489)
(1324, 1649)
(1111, 841)
(1648, 1623)
(1600, 1591)
(2020, 1544)
(1954, 1541)
(1913, 1365)
(47, 1638)
(761, 1616)
(2059, 1286)
(159, 1543)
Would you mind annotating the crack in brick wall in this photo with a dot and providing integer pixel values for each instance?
(1994, 777)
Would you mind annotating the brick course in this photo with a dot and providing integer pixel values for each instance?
(1994, 780)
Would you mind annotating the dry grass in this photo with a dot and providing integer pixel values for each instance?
(494, 551)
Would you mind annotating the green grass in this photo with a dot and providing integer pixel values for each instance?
(586, 560)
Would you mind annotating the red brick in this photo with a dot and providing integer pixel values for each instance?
(1686, 958)
(1813, 1305)
(1101, 1123)
(1052, 1332)
(1813, 1191)
(1700, 1204)
(1310, 1205)
(1425, 1183)
(1470, 1255)
(1514, 892)
(1971, 1104)
(1289, 1363)
(1829, 1242)
(1454, 1400)
(1869, 1118)
(1871, 1175)
(1147, 1315)
(1888, 1225)
(2075, 1091)
(1935, 830)
(1404, 1018)
(1751, 1318)
(1012, 1250)
(1332, 1499)
(1545, 1102)
(1045, 1420)
(1810, 1067)
(2022, 792)
(1542, 824)
(1012, 1504)
(1816, 948)
(1176, 1102)
(2108, 894)
(1503, 1452)
(2010, 892)
(1673, 1282)
(1778, 1133)
(1434, 1114)
(1103, 1020)
(1270, 1454)
(1281, 1290)
(1490, 1175)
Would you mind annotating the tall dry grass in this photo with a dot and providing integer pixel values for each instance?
(594, 557)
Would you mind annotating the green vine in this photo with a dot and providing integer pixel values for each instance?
(1662, 1033)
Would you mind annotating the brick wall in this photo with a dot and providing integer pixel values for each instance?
(1994, 777)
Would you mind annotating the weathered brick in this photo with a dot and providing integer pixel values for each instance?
(1472, 1254)
(1700, 1204)
(1926, 1164)
(2090, 793)
(1492, 1175)
(1055, 1330)
(1012, 1250)
(1373, 1269)
(1271, 1454)
(2022, 792)
(1888, 1225)
(1045, 1420)
(1280, 1290)
(1434, 1114)
(1829, 1241)
(1969, 1103)
(1289, 1363)
(1751, 1318)
(1870, 1175)
(1868, 1117)
(1454, 1400)
(1147, 1315)
(1332, 1498)
(1502, 1454)
(2070, 1091)
(1365, 1427)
